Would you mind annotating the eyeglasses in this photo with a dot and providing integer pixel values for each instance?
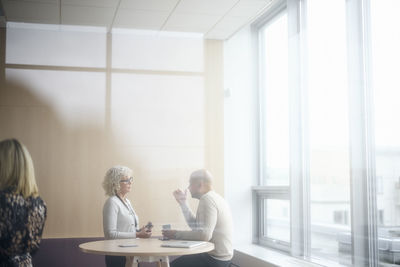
(130, 180)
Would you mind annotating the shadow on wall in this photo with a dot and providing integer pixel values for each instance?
(71, 158)
(69, 162)
(69, 166)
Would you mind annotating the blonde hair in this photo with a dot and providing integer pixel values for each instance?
(112, 178)
(16, 169)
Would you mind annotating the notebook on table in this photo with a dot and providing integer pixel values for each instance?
(182, 244)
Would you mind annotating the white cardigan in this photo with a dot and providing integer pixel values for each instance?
(119, 220)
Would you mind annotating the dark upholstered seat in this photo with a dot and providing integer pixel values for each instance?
(65, 252)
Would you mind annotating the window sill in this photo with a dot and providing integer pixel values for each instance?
(257, 256)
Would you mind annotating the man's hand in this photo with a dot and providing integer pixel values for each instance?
(180, 196)
(143, 232)
(170, 234)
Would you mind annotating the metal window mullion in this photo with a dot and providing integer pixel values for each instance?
(262, 120)
(306, 201)
(300, 234)
(363, 198)
(373, 243)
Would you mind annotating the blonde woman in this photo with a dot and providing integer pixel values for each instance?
(22, 211)
(119, 218)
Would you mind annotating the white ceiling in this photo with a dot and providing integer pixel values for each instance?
(216, 19)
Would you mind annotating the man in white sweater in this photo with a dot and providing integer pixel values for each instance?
(213, 223)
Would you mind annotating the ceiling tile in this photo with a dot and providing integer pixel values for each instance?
(229, 23)
(96, 3)
(140, 19)
(153, 5)
(94, 16)
(31, 11)
(210, 7)
(39, 1)
(191, 22)
(248, 8)
(226, 27)
(216, 18)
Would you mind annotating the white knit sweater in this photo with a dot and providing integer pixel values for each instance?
(213, 223)
(119, 220)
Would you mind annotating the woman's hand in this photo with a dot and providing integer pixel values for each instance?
(143, 233)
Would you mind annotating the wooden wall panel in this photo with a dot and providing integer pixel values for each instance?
(72, 147)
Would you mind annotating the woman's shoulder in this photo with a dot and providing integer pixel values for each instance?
(111, 204)
(112, 200)
(16, 203)
(9, 198)
(38, 207)
(6, 192)
(4, 197)
(37, 201)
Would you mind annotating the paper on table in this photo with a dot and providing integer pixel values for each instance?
(127, 245)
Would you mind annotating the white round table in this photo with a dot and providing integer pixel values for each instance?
(147, 249)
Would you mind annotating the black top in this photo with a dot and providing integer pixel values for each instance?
(21, 227)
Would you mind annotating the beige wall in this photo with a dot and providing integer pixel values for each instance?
(214, 111)
(73, 147)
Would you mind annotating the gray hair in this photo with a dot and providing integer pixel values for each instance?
(112, 178)
(202, 176)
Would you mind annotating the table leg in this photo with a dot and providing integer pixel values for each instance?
(134, 261)
(163, 263)
(131, 262)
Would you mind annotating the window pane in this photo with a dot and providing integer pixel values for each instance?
(56, 45)
(157, 97)
(150, 50)
(328, 132)
(386, 57)
(65, 93)
(276, 108)
(277, 219)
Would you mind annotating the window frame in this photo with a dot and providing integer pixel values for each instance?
(362, 164)
(262, 192)
(274, 13)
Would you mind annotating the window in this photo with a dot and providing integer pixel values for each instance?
(273, 194)
(386, 83)
(329, 132)
(381, 217)
(274, 41)
(274, 211)
(327, 116)
(341, 217)
(276, 220)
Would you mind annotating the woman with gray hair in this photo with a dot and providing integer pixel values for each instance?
(119, 217)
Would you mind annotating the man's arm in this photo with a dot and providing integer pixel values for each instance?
(181, 198)
(204, 225)
(189, 216)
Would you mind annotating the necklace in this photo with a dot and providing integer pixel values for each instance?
(130, 209)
